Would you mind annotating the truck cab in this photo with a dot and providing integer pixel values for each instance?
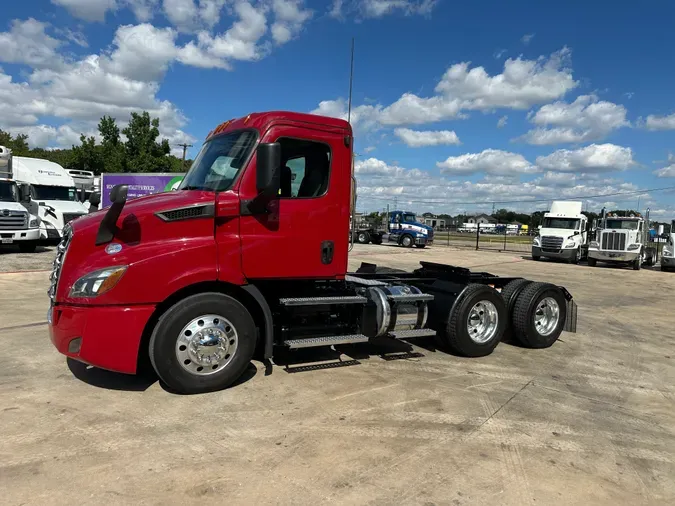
(19, 222)
(622, 240)
(668, 251)
(54, 192)
(563, 233)
(404, 229)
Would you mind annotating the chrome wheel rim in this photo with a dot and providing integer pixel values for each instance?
(206, 344)
(407, 241)
(546, 316)
(482, 322)
(362, 237)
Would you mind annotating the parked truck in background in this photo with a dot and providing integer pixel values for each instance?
(19, 221)
(668, 251)
(404, 230)
(196, 280)
(54, 192)
(622, 240)
(563, 233)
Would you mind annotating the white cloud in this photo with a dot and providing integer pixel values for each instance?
(417, 138)
(501, 123)
(290, 16)
(527, 38)
(89, 10)
(593, 158)
(143, 52)
(586, 119)
(369, 149)
(380, 8)
(490, 161)
(499, 53)
(183, 14)
(209, 11)
(95, 10)
(655, 122)
(522, 84)
(381, 183)
(668, 170)
(28, 43)
(45, 135)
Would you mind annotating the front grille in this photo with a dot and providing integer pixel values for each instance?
(614, 241)
(550, 242)
(61, 251)
(68, 217)
(431, 234)
(13, 220)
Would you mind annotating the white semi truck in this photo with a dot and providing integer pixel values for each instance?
(52, 190)
(563, 233)
(668, 251)
(19, 222)
(622, 240)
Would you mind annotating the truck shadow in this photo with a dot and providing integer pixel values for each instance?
(109, 380)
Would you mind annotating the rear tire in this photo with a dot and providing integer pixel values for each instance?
(477, 322)
(27, 246)
(539, 315)
(170, 350)
(363, 238)
(510, 294)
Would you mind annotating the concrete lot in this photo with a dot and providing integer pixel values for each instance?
(589, 421)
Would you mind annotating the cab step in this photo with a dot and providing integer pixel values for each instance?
(410, 334)
(412, 297)
(323, 301)
(312, 342)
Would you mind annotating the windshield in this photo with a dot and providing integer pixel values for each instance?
(566, 223)
(219, 162)
(622, 224)
(8, 192)
(409, 218)
(44, 192)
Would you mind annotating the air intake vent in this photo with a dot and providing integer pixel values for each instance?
(187, 213)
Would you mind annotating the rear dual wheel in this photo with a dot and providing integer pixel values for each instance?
(539, 315)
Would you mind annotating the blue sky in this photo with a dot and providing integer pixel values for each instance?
(455, 105)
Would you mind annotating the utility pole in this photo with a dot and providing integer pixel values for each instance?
(184, 146)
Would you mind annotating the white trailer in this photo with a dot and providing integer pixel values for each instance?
(622, 239)
(19, 221)
(55, 192)
(563, 233)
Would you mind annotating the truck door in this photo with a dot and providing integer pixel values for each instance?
(306, 235)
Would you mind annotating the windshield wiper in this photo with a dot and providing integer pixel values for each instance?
(191, 187)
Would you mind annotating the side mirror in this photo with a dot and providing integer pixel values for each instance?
(95, 199)
(24, 191)
(268, 168)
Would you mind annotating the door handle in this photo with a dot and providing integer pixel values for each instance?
(327, 252)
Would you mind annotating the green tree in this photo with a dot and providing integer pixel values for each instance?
(18, 144)
(143, 152)
(87, 156)
(113, 150)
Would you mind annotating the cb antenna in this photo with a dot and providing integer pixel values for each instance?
(351, 79)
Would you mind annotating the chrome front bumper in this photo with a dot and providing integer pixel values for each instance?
(613, 256)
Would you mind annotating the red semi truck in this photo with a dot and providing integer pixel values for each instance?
(250, 253)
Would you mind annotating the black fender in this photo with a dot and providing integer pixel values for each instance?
(268, 336)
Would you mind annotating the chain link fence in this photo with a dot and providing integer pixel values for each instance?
(484, 237)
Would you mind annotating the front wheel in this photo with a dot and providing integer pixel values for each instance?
(592, 262)
(407, 241)
(577, 257)
(203, 343)
(477, 322)
(27, 246)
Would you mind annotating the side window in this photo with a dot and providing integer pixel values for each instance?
(305, 168)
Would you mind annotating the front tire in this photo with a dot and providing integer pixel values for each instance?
(536, 258)
(592, 262)
(477, 322)
(407, 241)
(27, 246)
(539, 315)
(203, 343)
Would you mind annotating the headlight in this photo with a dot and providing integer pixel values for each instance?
(536, 241)
(667, 252)
(424, 231)
(34, 223)
(98, 282)
(594, 244)
(570, 244)
(633, 247)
